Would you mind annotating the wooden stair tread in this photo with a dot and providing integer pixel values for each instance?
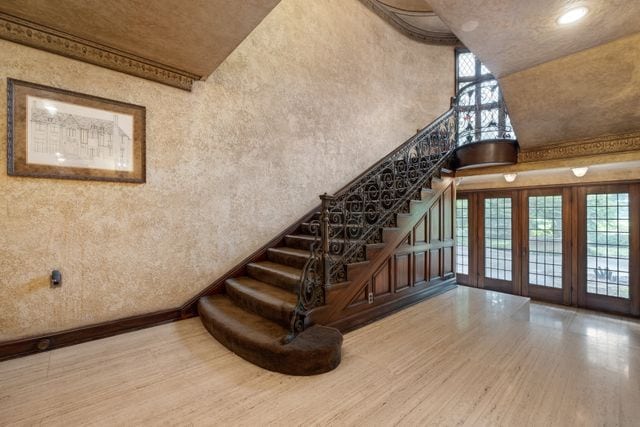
(290, 251)
(229, 316)
(292, 272)
(292, 257)
(261, 298)
(260, 341)
(275, 274)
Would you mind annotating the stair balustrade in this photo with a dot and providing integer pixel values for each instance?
(355, 216)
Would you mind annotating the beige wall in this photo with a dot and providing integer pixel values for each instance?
(317, 93)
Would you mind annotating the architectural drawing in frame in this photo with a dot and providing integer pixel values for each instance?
(60, 134)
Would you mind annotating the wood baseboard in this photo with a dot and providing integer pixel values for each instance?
(37, 344)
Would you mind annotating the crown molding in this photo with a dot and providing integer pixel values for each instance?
(40, 37)
(428, 37)
(608, 144)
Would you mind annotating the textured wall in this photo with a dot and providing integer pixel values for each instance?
(317, 93)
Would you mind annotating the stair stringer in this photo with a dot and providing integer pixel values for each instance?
(347, 305)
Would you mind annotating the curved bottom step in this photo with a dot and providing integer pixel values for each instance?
(252, 337)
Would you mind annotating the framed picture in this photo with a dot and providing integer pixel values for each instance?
(54, 133)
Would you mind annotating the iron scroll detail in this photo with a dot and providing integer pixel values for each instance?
(356, 216)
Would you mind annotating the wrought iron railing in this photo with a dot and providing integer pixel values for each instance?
(482, 113)
(355, 216)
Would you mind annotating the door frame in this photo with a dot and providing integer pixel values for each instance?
(553, 295)
(603, 302)
(512, 286)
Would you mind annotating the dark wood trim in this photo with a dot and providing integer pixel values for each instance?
(36, 344)
(485, 153)
(364, 317)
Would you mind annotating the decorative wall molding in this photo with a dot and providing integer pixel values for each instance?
(429, 37)
(585, 147)
(40, 37)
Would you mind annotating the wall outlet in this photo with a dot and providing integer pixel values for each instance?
(370, 297)
(56, 279)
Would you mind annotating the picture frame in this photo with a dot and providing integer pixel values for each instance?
(56, 133)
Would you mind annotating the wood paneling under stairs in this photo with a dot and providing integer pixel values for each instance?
(415, 264)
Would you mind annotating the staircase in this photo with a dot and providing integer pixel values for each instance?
(253, 317)
(272, 311)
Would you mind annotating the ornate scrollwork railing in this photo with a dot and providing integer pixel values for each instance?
(482, 113)
(355, 216)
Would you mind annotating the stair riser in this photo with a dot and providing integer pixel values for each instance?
(298, 243)
(278, 314)
(287, 259)
(273, 278)
(336, 232)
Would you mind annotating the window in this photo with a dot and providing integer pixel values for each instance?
(545, 241)
(497, 240)
(462, 236)
(608, 244)
(482, 114)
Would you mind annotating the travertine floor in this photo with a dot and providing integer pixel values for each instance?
(467, 357)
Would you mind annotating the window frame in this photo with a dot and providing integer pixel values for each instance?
(478, 79)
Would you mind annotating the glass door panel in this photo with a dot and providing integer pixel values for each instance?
(545, 241)
(462, 236)
(497, 239)
(608, 245)
(544, 274)
(497, 244)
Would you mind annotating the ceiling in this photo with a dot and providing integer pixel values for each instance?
(560, 83)
(513, 35)
(408, 5)
(193, 36)
(415, 18)
(591, 93)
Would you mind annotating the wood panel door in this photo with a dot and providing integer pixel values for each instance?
(546, 245)
(497, 239)
(609, 248)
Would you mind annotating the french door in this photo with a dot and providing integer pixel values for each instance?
(609, 245)
(496, 242)
(572, 245)
(546, 245)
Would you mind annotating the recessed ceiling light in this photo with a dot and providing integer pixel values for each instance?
(470, 26)
(510, 177)
(573, 15)
(580, 172)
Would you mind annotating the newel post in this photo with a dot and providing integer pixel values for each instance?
(324, 236)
